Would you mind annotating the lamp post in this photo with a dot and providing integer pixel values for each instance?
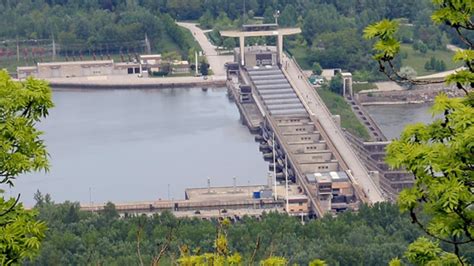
(276, 15)
(286, 181)
(274, 168)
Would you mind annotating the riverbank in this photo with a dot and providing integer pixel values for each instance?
(418, 94)
(127, 82)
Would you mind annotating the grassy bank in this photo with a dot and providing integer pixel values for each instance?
(356, 87)
(417, 60)
(301, 56)
(338, 106)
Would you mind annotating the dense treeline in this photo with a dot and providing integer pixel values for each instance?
(332, 29)
(372, 236)
(86, 27)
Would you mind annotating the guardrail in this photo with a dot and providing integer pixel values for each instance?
(338, 132)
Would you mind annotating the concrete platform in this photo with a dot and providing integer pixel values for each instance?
(222, 193)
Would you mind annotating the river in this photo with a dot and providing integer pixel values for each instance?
(392, 119)
(138, 145)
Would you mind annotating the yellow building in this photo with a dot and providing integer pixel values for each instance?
(298, 205)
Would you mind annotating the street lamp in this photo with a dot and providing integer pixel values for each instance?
(276, 15)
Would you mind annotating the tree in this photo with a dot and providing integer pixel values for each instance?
(440, 155)
(317, 69)
(22, 105)
(455, 14)
(407, 72)
(229, 43)
(335, 85)
(204, 68)
(109, 212)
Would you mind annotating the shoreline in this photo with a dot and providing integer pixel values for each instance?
(133, 82)
(395, 103)
(55, 85)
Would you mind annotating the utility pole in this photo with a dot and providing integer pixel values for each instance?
(274, 169)
(208, 185)
(90, 196)
(54, 48)
(196, 61)
(17, 50)
(147, 44)
(286, 180)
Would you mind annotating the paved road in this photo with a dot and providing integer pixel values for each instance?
(216, 61)
(316, 107)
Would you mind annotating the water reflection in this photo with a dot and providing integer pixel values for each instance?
(392, 119)
(130, 145)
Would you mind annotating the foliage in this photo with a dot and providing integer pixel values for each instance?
(338, 106)
(221, 256)
(229, 44)
(417, 60)
(407, 72)
(331, 29)
(357, 87)
(455, 14)
(274, 261)
(440, 155)
(317, 262)
(22, 104)
(317, 69)
(336, 84)
(372, 236)
(87, 28)
(435, 64)
(204, 68)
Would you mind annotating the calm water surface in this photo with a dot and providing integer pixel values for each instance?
(392, 119)
(135, 145)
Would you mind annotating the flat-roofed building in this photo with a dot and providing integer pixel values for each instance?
(24, 72)
(126, 68)
(151, 62)
(258, 55)
(180, 67)
(75, 69)
(298, 204)
(334, 189)
(150, 59)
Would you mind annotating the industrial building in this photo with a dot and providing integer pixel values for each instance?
(100, 68)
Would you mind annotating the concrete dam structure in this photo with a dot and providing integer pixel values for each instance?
(293, 140)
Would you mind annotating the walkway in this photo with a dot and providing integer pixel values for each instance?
(316, 107)
(216, 61)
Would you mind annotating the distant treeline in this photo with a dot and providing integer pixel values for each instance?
(332, 29)
(371, 237)
(87, 27)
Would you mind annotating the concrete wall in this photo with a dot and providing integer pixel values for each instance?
(319, 167)
(302, 138)
(303, 148)
(298, 207)
(297, 129)
(313, 158)
(74, 70)
(345, 188)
